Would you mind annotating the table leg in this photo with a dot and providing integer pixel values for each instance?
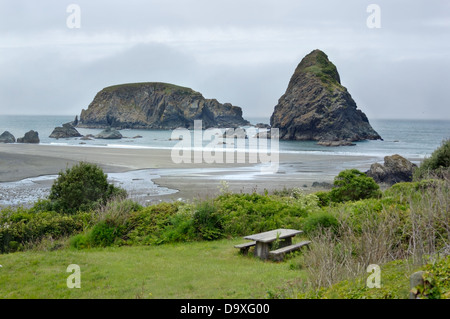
(262, 250)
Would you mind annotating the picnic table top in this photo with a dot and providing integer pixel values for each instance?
(272, 235)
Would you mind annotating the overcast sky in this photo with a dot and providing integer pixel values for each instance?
(238, 51)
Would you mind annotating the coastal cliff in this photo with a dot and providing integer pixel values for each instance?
(157, 106)
(317, 107)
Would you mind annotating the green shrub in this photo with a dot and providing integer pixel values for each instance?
(401, 191)
(352, 185)
(438, 274)
(117, 212)
(438, 165)
(180, 229)
(80, 241)
(319, 221)
(42, 205)
(207, 221)
(147, 225)
(103, 234)
(324, 198)
(82, 187)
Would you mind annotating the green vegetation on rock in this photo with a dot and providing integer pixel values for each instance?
(318, 64)
(166, 87)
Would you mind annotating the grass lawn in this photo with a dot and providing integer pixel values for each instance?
(188, 270)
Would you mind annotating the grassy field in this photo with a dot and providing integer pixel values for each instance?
(190, 270)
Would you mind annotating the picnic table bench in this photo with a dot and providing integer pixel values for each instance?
(279, 253)
(245, 246)
(265, 241)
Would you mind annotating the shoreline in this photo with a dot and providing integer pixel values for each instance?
(22, 161)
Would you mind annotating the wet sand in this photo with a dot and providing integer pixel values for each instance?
(20, 161)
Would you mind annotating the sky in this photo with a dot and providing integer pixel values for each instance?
(393, 58)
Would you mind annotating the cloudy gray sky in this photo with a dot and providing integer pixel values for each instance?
(238, 51)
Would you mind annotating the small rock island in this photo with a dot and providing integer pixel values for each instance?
(317, 107)
(155, 105)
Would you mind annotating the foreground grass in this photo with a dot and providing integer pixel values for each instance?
(189, 270)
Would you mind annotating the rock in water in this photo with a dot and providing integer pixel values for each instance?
(396, 169)
(66, 131)
(335, 143)
(31, 137)
(157, 106)
(317, 107)
(109, 134)
(7, 137)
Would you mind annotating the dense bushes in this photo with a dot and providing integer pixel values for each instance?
(227, 215)
(150, 225)
(22, 228)
(251, 213)
(124, 222)
(319, 222)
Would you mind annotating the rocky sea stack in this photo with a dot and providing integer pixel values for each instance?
(157, 106)
(30, 137)
(7, 137)
(65, 131)
(109, 134)
(396, 169)
(317, 107)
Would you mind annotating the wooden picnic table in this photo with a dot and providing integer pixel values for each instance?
(265, 240)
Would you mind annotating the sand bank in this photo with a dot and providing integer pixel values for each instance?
(20, 161)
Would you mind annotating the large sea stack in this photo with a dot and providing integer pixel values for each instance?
(157, 106)
(317, 107)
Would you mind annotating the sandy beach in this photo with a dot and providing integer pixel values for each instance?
(185, 180)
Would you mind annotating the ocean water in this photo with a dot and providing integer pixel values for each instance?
(413, 139)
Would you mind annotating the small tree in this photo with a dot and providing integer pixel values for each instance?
(82, 187)
(352, 184)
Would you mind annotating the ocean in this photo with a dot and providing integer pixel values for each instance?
(413, 139)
